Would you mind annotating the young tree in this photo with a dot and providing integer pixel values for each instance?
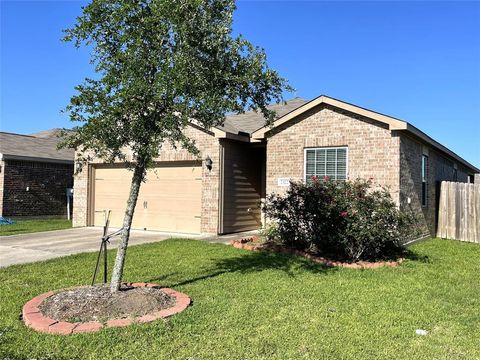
(161, 64)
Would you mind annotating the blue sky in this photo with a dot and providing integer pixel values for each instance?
(418, 61)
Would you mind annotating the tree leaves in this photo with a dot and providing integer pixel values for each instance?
(162, 63)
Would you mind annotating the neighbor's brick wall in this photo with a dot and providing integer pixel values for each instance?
(2, 171)
(373, 150)
(206, 143)
(440, 168)
(47, 183)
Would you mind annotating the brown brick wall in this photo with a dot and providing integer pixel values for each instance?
(2, 172)
(373, 151)
(440, 168)
(206, 143)
(46, 184)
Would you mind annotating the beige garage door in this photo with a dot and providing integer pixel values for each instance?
(169, 200)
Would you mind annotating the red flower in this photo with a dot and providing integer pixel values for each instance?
(344, 214)
(326, 178)
(314, 179)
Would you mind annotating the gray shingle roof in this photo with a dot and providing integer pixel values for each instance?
(252, 121)
(50, 133)
(17, 146)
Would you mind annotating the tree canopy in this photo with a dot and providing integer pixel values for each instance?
(161, 65)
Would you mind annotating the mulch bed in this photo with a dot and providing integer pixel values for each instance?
(90, 308)
(254, 244)
(97, 303)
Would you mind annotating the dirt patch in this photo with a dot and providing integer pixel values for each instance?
(97, 303)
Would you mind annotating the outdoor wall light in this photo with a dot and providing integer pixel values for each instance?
(208, 162)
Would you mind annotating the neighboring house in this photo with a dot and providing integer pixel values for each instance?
(243, 160)
(34, 175)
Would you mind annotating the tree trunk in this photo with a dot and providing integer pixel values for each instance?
(117, 274)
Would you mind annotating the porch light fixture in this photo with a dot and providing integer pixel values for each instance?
(208, 162)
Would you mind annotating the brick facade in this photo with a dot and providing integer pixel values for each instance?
(440, 168)
(208, 146)
(391, 157)
(2, 172)
(46, 183)
(373, 150)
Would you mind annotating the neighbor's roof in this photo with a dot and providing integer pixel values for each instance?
(32, 148)
(251, 121)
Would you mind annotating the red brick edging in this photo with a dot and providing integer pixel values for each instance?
(33, 317)
(248, 244)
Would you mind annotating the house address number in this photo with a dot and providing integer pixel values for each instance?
(284, 182)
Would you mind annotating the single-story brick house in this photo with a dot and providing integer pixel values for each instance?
(34, 175)
(243, 160)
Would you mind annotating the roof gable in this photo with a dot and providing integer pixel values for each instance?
(391, 122)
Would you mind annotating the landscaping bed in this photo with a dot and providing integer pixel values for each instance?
(352, 223)
(92, 303)
(89, 308)
(254, 244)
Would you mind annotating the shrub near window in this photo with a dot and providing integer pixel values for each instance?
(343, 220)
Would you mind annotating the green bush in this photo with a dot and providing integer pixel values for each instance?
(344, 220)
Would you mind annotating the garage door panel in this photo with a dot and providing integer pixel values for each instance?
(169, 199)
(178, 208)
(164, 191)
(111, 193)
(187, 224)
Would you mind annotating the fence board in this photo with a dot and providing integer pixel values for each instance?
(459, 211)
(441, 214)
(452, 205)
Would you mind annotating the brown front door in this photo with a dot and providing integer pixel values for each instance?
(243, 186)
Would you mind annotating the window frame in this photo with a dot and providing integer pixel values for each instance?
(424, 170)
(325, 148)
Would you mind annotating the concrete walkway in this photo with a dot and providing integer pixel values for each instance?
(26, 248)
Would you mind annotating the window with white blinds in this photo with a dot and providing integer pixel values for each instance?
(321, 162)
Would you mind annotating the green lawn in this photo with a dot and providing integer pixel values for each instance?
(249, 305)
(30, 226)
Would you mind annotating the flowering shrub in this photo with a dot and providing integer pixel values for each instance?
(348, 220)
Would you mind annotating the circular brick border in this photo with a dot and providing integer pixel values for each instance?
(248, 244)
(33, 317)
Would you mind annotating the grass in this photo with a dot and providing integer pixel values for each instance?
(30, 226)
(249, 305)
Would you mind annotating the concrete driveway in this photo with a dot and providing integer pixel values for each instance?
(25, 248)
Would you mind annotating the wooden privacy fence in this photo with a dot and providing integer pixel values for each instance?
(459, 211)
